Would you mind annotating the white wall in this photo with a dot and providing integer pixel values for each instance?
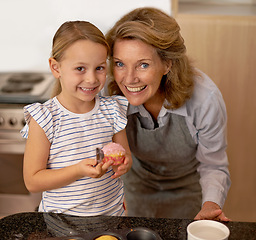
(27, 26)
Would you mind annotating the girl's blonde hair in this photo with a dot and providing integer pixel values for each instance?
(70, 32)
(161, 31)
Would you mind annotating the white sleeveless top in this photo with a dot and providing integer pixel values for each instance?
(74, 137)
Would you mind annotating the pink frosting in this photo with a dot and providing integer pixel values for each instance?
(113, 148)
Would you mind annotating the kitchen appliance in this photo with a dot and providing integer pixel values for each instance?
(17, 89)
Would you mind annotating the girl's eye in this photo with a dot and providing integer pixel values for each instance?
(100, 68)
(144, 65)
(119, 64)
(80, 69)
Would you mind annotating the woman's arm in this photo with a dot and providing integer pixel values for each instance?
(210, 121)
(36, 175)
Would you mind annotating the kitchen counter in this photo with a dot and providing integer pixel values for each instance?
(34, 225)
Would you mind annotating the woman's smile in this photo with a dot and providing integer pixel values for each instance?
(135, 89)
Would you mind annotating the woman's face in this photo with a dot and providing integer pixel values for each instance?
(138, 71)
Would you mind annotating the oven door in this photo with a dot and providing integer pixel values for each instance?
(14, 197)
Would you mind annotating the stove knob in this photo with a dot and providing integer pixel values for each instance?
(23, 122)
(13, 121)
(1, 121)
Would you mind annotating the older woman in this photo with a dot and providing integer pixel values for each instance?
(176, 121)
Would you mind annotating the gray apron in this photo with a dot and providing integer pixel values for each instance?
(163, 181)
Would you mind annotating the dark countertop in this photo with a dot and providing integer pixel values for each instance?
(36, 225)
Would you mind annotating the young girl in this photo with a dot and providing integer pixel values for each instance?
(64, 132)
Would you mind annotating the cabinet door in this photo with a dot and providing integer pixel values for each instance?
(224, 47)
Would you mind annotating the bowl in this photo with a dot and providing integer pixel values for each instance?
(207, 230)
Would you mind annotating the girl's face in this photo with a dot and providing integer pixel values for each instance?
(138, 71)
(82, 73)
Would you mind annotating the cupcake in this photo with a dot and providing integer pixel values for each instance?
(113, 151)
(106, 237)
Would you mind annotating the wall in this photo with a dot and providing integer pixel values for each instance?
(224, 47)
(27, 26)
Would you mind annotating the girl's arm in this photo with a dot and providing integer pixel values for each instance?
(38, 178)
(121, 169)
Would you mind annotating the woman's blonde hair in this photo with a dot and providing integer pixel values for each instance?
(70, 32)
(161, 31)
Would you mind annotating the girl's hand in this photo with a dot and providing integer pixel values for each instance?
(90, 168)
(211, 211)
(122, 168)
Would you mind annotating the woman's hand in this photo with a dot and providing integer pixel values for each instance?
(211, 211)
(122, 168)
(90, 168)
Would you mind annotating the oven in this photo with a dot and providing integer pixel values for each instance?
(16, 91)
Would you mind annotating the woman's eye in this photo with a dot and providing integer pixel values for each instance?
(80, 69)
(144, 65)
(119, 64)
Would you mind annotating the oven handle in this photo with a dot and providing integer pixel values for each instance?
(12, 146)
